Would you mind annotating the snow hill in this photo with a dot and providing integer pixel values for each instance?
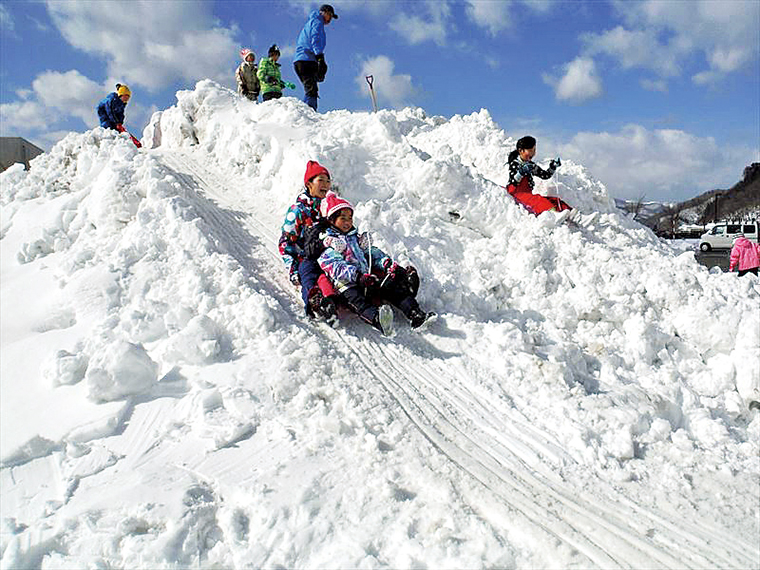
(582, 401)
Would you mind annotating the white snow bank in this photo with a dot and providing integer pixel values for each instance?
(159, 387)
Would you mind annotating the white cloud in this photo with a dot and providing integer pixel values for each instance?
(391, 89)
(494, 16)
(724, 32)
(69, 93)
(579, 83)
(635, 48)
(150, 43)
(663, 164)
(21, 116)
(416, 30)
(6, 19)
(654, 85)
(56, 97)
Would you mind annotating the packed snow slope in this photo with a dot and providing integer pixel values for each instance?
(581, 401)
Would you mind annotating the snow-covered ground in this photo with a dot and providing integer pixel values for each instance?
(582, 400)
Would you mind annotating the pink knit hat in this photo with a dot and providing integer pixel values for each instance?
(332, 204)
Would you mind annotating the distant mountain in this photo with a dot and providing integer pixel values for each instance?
(741, 201)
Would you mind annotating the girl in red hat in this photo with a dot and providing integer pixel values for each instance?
(316, 289)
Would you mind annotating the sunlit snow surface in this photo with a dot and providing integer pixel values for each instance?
(581, 401)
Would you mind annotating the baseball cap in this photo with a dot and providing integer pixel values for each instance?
(329, 10)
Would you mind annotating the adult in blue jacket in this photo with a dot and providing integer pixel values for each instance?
(309, 62)
(111, 109)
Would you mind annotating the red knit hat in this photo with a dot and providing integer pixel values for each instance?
(313, 168)
(332, 204)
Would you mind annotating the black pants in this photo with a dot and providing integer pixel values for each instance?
(361, 302)
(271, 95)
(753, 271)
(307, 73)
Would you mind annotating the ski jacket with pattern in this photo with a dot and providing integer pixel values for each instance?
(744, 254)
(247, 80)
(312, 40)
(111, 111)
(270, 69)
(521, 174)
(301, 215)
(345, 258)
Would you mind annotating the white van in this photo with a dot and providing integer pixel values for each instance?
(723, 234)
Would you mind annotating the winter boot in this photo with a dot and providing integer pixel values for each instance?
(329, 311)
(418, 317)
(314, 302)
(383, 321)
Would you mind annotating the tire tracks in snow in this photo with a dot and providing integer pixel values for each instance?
(495, 445)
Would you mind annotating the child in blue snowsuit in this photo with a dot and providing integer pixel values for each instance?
(362, 273)
(111, 109)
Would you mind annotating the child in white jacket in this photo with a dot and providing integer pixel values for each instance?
(362, 273)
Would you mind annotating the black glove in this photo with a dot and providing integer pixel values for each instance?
(321, 68)
(555, 163)
(368, 280)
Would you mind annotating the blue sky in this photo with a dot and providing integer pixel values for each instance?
(658, 98)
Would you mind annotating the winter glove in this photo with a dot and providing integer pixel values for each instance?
(395, 276)
(289, 85)
(526, 169)
(321, 67)
(555, 163)
(391, 266)
(120, 128)
(336, 243)
(368, 281)
(295, 279)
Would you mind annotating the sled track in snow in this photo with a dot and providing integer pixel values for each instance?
(496, 446)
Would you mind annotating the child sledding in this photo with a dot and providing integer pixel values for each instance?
(335, 265)
(522, 169)
(363, 274)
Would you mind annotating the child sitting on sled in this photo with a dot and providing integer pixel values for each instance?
(362, 273)
(522, 169)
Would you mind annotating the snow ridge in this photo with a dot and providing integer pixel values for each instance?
(582, 401)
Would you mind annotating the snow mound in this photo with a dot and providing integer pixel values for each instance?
(158, 377)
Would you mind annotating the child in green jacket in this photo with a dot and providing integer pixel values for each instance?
(270, 76)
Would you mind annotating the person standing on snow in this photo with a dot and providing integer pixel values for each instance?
(745, 255)
(247, 80)
(309, 62)
(363, 273)
(270, 77)
(111, 109)
(305, 272)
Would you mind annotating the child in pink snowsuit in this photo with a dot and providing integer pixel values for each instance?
(745, 255)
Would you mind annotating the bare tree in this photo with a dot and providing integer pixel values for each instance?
(638, 207)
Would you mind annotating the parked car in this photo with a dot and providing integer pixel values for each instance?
(723, 234)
